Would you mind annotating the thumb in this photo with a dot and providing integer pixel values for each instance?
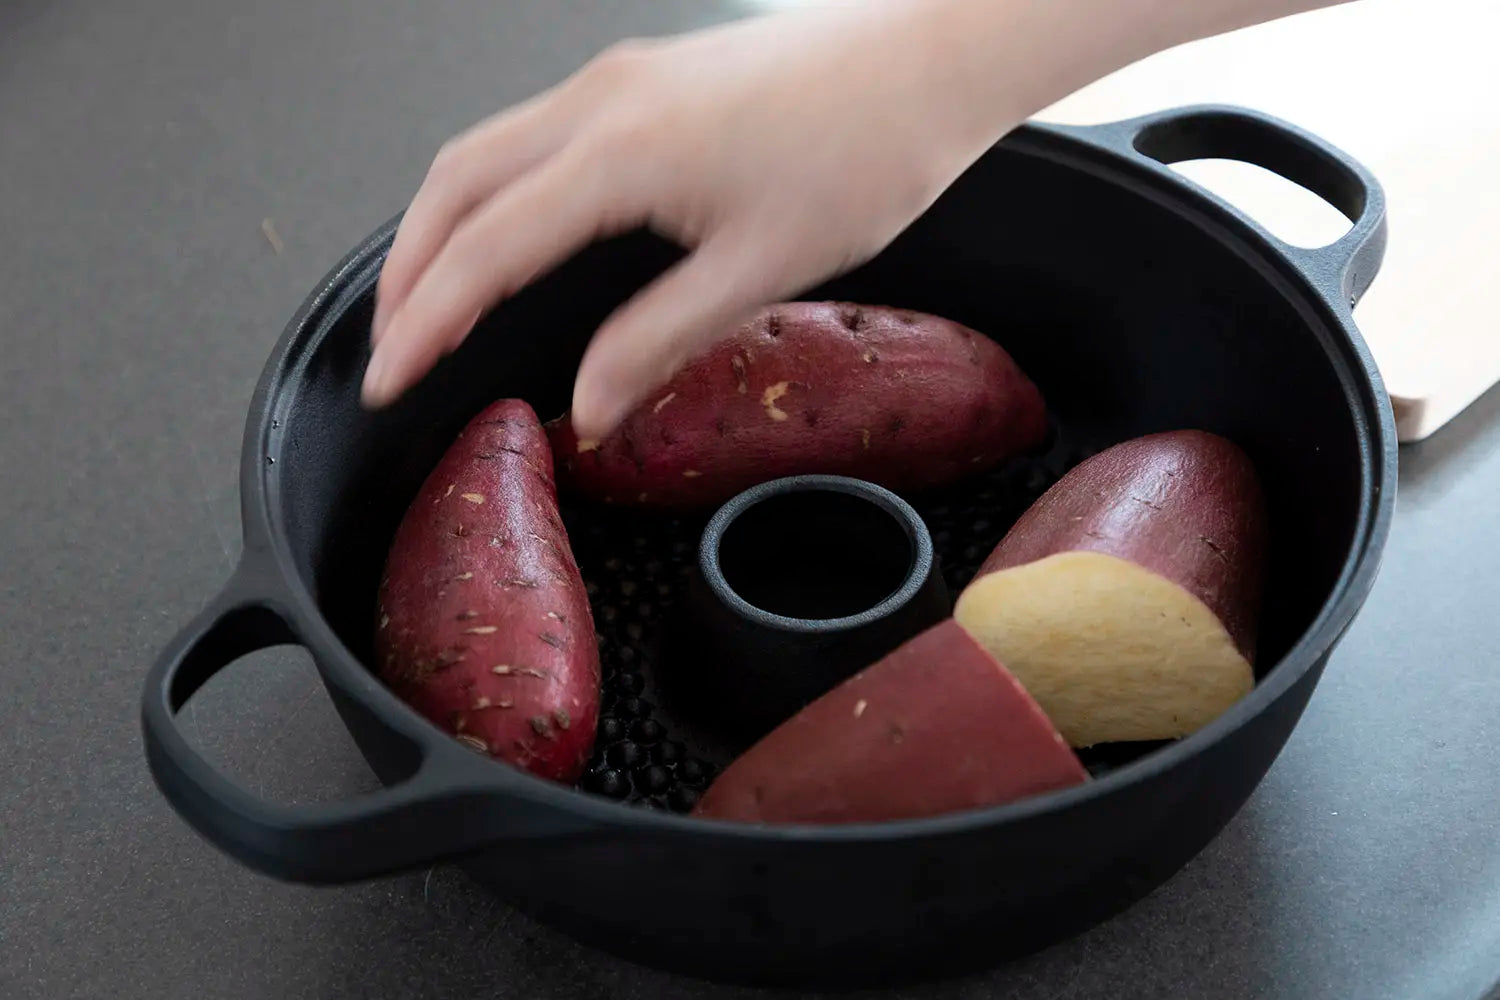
(643, 344)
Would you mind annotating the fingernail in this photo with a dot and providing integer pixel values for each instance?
(600, 418)
(374, 389)
(585, 411)
(377, 325)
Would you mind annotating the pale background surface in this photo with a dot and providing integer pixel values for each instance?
(1411, 89)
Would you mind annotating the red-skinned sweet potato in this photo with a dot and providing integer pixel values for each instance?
(1127, 598)
(903, 399)
(483, 624)
(937, 726)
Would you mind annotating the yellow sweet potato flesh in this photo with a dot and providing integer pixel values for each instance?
(1111, 651)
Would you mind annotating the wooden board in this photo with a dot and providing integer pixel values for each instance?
(1412, 90)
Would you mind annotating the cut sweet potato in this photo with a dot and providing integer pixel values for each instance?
(902, 399)
(483, 624)
(937, 726)
(1126, 599)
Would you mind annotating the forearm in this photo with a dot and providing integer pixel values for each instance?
(991, 63)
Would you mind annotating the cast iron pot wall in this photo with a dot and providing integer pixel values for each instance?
(1136, 301)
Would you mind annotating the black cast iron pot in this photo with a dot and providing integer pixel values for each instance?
(1137, 301)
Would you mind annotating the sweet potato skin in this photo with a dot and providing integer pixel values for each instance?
(1186, 505)
(903, 399)
(936, 726)
(483, 624)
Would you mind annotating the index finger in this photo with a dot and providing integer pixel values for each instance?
(465, 174)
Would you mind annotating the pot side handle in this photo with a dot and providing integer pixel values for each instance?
(1345, 268)
(451, 803)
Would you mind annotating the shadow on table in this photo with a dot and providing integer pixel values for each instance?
(1207, 933)
(1203, 934)
(1429, 467)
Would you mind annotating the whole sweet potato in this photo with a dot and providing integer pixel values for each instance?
(903, 399)
(483, 623)
(935, 727)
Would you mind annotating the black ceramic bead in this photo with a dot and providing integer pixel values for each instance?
(667, 752)
(625, 754)
(694, 772)
(646, 731)
(1099, 768)
(635, 708)
(682, 799)
(610, 729)
(609, 782)
(629, 683)
(653, 779)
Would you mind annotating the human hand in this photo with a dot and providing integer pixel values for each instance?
(779, 150)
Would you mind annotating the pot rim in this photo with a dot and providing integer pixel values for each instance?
(1328, 317)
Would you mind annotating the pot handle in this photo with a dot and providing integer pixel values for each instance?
(451, 803)
(1345, 268)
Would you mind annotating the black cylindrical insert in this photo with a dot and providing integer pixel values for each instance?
(816, 554)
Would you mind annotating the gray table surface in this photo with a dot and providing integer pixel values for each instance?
(142, 143)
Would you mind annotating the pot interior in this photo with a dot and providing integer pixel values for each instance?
(1130, 317)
